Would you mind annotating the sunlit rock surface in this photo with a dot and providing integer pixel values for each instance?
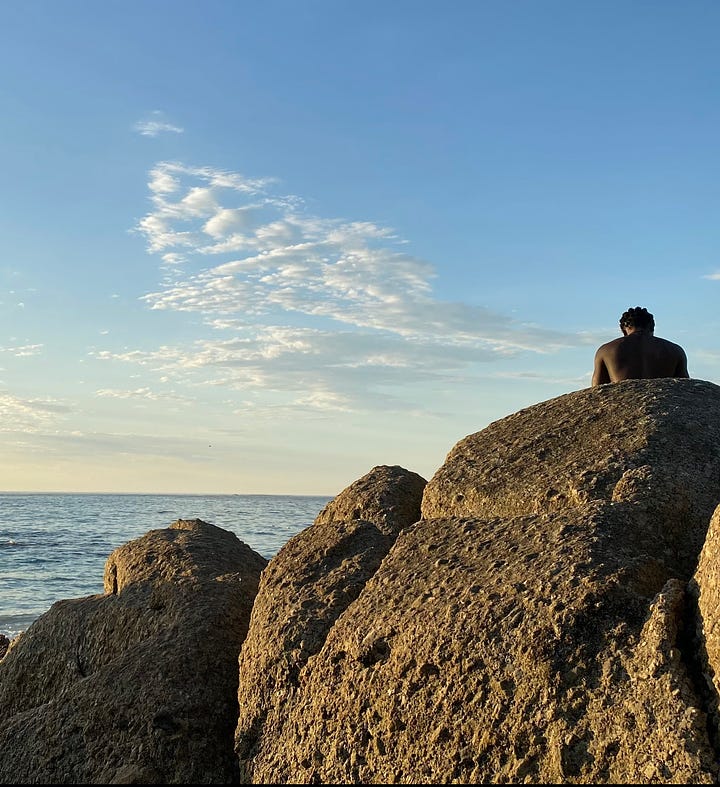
(535, 624)
(137, 686)
(308, 585)
(542, 610)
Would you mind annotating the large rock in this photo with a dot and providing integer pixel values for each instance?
(534, 625)
(137, 686)
(535, 613)
(307, 586)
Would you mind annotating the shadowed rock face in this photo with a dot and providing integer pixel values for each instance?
(308, 585)
(532, 626)
(705, 593)
(137, 686)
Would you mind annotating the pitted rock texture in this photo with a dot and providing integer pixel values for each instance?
(308, 585)
(388, 496)
(534, 625)
(138, 686)
(649, 441)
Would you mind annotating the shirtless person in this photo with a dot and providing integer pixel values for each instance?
(637, 354)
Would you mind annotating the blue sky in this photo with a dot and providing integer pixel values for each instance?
(264, 247)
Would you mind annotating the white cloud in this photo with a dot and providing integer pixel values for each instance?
(173, 258)
(326, 312)
(140, 394)
(23, 350)
(226, 220)
(534, 377)
(28, 415)
(163, 182)
(332, 370)
(714, 276)
(156, 124)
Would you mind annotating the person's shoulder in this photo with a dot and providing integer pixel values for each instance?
(679, 351)
(610, 345)
(672, 345)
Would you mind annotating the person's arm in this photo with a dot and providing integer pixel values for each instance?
(681, 369)
(600, 370)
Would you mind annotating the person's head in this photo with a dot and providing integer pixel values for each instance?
(638, 318)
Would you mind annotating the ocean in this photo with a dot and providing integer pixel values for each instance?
(54, 546)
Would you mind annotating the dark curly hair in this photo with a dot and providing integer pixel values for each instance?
(639, 317)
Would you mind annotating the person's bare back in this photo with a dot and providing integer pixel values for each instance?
(638, 354)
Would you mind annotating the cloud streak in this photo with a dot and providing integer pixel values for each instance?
(156, 124)
(140, 394)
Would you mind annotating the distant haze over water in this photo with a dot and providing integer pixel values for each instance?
(54, 546)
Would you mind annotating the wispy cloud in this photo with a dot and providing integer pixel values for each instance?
(712, 356)
(140, 394)
(714, 276)
(334, 313)
(28, 415)
(156, 124)
(535, 377)
(23, 350)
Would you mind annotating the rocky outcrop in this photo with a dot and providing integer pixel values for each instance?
(533, 625)
(308, 585)
(139, 685)
(543, 610)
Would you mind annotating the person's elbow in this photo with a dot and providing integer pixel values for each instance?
(600, 375)
(682, 370)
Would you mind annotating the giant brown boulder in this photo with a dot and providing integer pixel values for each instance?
(535, 624)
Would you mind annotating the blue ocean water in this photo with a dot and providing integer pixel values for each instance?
(54, 546)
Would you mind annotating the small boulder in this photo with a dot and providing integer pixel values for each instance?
(138, 685)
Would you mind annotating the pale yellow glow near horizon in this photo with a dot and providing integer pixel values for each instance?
(142, 475)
